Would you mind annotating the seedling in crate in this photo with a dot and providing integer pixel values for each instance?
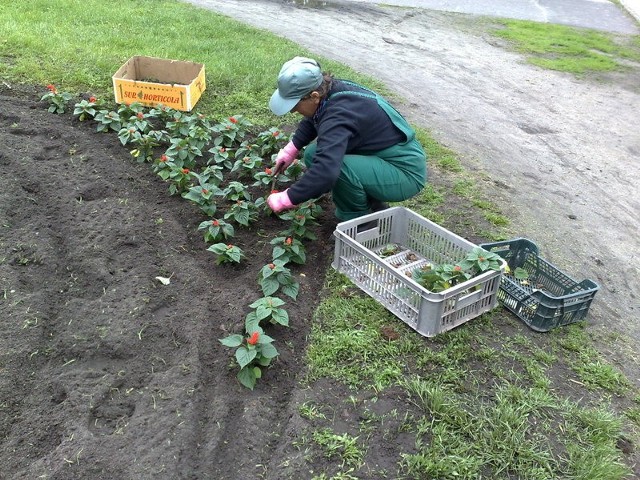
(479, 260)
(252, 352)
(227, 253)
(266, 309)
(388, 250)
(288, 249)
(275, 276)
(216, 230)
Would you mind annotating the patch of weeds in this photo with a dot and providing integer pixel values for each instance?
(344, 447)
(587, 362)
(348, 345)
(598, 428)
(594, 372)
(633, 414)
(311, 411)
(437, 154)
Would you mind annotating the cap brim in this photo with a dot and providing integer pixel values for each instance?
(280, 105)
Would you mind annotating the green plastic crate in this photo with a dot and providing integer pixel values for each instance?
(548, 298)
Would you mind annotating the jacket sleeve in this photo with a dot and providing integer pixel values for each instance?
(334, 133)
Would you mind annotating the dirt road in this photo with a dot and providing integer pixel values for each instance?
(560, 155)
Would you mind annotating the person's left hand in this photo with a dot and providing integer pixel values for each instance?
(279, 201)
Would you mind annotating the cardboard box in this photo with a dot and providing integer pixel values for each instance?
(156, 81)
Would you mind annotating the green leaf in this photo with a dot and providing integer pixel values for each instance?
(291, 290)
(278, 252)
(263, 312)
(251, 322)
(269, 351)
(280, 316)
(264, 361)
(269, 286)
(232, 340)
(244, 356)
(247, 377)
(257, 372)
(520, 273)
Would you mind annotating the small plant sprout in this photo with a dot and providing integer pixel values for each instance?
(57, 100)
(252, 352)
(221, 156)
(108, 120)
(275, 276)
(230, 131)
(288, 249)
(202, 194)
(242, 212)
(235, 191)
(270, 140)
(86, 109)
(437, 278)
(266, 309)
(216, 230)
(301, 219)
(479, 260)
(247, 164)
(226, 253)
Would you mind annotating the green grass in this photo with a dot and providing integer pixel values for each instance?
(475, 402)
(78, 46)
(568, 49)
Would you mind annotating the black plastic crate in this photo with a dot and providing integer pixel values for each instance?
(547, 298)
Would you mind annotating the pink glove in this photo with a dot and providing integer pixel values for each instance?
(285, 157)
(279, 201)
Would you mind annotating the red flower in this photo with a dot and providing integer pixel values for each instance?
(276, 133)
(215, 223)
(271, 266)
(457, 268)
(229, 247)
(288, 241)
(185, 170)
(222, 150)
(267, 171)
(52, 88)
(274, 191)
(140, 115)
(233, 120)
(93, 99)
(164, 158)
(205, 191)
(253, 339)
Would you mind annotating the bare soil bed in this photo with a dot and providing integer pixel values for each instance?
(106, 372)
